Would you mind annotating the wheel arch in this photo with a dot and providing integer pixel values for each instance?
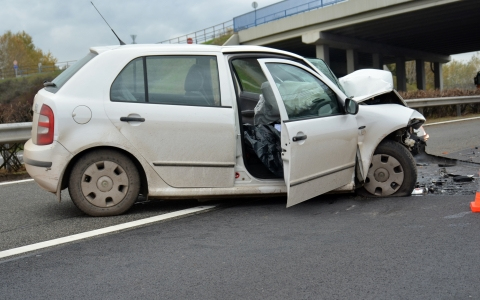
(367, 150)
(383, 122)
(143, 176)
(391, 148)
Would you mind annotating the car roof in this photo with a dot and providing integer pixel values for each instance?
(192, 48)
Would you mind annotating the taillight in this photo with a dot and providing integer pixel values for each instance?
(46, 122)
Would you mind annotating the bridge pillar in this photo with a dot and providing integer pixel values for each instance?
(401, 74)
(352, 60)
(323, 52)
(420, 70)
(438, 75)
(377, 61)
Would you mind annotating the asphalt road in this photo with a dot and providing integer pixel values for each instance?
(334, 246)
(31, 215)
(327, 248)
(453, 137)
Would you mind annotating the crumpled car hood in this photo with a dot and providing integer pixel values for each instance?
(367, 83)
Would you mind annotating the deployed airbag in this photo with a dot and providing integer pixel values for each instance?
(299, 97)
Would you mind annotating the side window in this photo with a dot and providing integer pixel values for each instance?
(304, 95)
(250, 74)
(177, 80)
(184, 80)
(129, 86)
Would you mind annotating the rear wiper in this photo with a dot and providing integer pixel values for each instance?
(48, 83)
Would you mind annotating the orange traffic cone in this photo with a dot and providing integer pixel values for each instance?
(475, 206)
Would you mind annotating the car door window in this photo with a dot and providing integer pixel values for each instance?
(249, 74)
(303, 95)
(129, 86)
(188, 80)
(177, 80)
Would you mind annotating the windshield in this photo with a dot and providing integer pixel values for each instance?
(61, 79)
(324, 69)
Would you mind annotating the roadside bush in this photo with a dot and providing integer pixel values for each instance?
(16, 96)
(437, 93)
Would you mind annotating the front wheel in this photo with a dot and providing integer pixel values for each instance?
(392, 172)
(104, 183)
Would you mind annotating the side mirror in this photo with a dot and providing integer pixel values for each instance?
(351, 106)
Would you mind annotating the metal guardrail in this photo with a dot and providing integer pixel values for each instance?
(278, 11)
(15, 132)
(429, 102)
(12, 138)
(12, 135)
(419, 104)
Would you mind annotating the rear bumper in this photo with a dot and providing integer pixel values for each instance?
(45, 164)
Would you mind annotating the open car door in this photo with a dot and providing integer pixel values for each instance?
(319, 138)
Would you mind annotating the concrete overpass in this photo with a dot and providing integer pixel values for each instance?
(370, 33)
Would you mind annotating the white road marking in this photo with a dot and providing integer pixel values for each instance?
(101, 231)
(459, 215)
(14, 182)
(452, 121)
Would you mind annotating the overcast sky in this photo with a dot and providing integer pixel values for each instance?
(67, 28)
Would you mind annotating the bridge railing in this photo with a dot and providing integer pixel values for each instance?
(277, 11)
(203, 35)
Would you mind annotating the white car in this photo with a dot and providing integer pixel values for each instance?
(195, 121)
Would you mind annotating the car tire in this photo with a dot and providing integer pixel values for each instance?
(104, 183)
(392, 172)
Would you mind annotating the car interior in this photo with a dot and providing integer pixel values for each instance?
(257, 107)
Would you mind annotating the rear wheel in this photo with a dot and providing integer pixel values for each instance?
(392, 172)
(104, 183)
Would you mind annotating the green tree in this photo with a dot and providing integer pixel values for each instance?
(19, 46)
(459, 74)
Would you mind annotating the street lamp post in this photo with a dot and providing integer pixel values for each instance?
(255, 5)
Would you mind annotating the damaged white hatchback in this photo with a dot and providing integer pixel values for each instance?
(194, 121)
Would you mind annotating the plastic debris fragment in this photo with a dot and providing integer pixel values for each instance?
(419, 191)
(461, 178)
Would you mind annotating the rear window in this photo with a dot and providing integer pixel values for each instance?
(61, 79)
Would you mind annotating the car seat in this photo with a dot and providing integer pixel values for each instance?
(194, 86)
(266, 110)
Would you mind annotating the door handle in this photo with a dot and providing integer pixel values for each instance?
(299, 138)
(132, 119)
